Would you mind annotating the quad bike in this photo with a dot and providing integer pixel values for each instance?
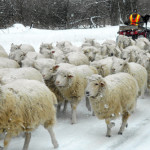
(136, 31)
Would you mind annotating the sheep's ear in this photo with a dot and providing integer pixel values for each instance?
(55, 67)
(19, 46)
(102, 84)
(125, 66)
(70, 75)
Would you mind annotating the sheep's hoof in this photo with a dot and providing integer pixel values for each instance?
(1, 148)
(108, 135)
(120, 133)
(56, 146)
(126, 125)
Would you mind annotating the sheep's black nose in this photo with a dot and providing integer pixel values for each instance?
(87, 93)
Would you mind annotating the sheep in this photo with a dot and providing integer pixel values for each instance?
(3, 52)
(8, 63)
(63, 44)
(103, 66)
(109, 42)
(18, 52)
(29, 59)
(24, 47)
(21, 73)
(77, 58)
(90, 52)
(134, 69)
(143, 43)
(90, 42)
(111, 97)
(145, 61)
(55, 53)
(5, 71)
(49, 78)
(26, 104)
(130, 53)
(124, 41)
(72, 83)
(45, 66)
(46, 45)
(45, 49)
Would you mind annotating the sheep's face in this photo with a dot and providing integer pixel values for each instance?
(46, 52)
(47, 72)
(145, 62)
(104, 50)
(17, 56)
(94, 87)
(126, 42)
(15, 47)
(125, 55)
(61, 59)
(117, 66)
(46, 45)
(63, 79)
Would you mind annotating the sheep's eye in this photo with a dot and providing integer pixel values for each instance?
(120, 64)
(96, 83)
(65, 76)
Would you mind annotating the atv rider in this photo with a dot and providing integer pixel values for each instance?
(135, 19)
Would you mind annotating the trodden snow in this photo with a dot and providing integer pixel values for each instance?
(89, 132)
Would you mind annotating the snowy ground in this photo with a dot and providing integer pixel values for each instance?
(89, 132)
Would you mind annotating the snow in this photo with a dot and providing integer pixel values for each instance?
(89, 132)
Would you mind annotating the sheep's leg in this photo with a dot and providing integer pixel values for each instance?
(6, 141)
(59, 107)
(109, 126)
(124, 122)
(27, 140)
(65, 106)
(52, 135)
(73, 111)
(88, 104)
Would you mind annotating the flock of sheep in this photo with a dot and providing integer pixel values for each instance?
(35, 85)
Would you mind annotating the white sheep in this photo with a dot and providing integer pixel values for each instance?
(145, 61)
(3, 52)
(8, 63)
(24, 47)
(143, 43)
(90, 52)
(63, 44)
(103, 66)
(49, 78)
(111, 97)
(18, 52)
(90, 42)
(134, 69)
(124, 41)
(26, 104)
(46, 45)
(45, 49)
(45, 66)
(77, 58)
(72, 83)
(131, 53)
(29, 59)
(21, 73)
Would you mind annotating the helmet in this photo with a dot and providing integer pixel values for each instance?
(134, 10)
